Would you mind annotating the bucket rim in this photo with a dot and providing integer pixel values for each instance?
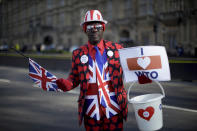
(160, 86)
(160, 96)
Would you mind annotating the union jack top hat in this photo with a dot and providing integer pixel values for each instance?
(93, 15)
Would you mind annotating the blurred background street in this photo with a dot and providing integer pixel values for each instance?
(53, 26)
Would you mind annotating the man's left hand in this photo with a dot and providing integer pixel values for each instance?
(142, 79)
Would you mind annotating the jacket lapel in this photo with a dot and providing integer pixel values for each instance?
(85, 65)
(110, 58)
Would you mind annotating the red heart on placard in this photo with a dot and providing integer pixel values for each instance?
(147, 113)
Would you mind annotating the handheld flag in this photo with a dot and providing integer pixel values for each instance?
(41, 77)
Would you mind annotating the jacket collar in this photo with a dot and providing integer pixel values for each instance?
(108, 46)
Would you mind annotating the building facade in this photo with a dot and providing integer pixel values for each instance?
(56, 23)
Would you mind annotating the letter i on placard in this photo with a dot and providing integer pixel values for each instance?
(142, 52)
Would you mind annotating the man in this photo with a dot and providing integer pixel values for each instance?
(96, 67)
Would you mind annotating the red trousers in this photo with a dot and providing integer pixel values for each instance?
(115, 123)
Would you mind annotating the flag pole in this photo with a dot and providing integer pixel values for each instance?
(19, 52)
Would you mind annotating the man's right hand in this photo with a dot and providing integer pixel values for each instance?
(63, 84)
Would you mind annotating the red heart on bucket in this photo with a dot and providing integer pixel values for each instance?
(147, 113)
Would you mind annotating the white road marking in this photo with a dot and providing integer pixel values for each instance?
(5, 80)
(179, 108)
(34, 85)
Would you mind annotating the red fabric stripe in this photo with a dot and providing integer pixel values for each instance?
(91, 73)
(114, 108)
(92, 89)
(86, 17)
(98, 16)
(43, 79)
(102, 86)
(103, 111)
(90, 112)
(91, 14)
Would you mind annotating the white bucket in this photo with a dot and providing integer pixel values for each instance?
(148, 109)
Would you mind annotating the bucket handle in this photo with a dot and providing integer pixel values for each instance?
(153, 80)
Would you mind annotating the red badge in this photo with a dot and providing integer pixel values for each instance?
(147, 113)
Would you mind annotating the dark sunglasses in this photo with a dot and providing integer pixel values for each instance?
(91, 28)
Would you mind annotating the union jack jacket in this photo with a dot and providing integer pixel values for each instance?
(80, 75)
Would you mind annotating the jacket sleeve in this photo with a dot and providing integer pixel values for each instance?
(73, 79)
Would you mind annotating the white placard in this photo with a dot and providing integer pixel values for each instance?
(151, 61)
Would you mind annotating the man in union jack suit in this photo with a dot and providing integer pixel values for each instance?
(96, 67)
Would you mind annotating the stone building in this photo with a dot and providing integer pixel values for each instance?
(56, 23)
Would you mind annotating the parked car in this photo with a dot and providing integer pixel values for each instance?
(4, 47)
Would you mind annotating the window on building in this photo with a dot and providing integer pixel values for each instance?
(49, 4)
(172, 40)
(31, 24)
(175, 5)
(150, 7)
(145, 38)
(38, 22)
(62, 2)
(62, 19)
(128, 7)
(33, 10)
(125, 38)
(49, 20)
(142, 7)
(145, 7)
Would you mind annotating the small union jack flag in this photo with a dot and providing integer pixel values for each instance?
(41, 77)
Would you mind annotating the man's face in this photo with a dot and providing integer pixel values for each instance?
(94, 31)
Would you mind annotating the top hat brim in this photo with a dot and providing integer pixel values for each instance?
(104, 21)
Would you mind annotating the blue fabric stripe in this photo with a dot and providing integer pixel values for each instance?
(103, 102)
(104, 56)
(90, 60)
(99, 59)
(110, 114)
(31, 69)
(114, 98)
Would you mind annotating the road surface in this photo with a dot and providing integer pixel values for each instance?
(25, 107)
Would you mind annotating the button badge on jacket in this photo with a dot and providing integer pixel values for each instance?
(110, 53)
(84, 59)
